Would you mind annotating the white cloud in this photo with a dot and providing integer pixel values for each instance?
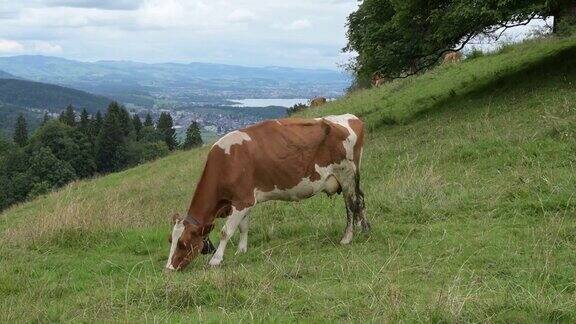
(10, 46)
(241, 15)
(299, 24)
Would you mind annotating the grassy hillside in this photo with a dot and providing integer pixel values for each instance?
(469, 175)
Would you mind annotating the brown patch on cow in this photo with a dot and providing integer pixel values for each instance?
(378, 79)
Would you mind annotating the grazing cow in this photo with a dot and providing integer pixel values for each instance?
(378, 80)
(317, 102)
(286, 159)
(452, 57)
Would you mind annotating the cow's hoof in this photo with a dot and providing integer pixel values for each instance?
(215, 263)
(345, 241)
(241, 250)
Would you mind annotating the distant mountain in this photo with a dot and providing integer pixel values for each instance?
(6, 75)
(142, 84)
(36, 95)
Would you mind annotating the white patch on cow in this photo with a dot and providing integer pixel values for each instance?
(343, 172)
(176, 234)
(350, 141)
(232, 222)
(232, 138)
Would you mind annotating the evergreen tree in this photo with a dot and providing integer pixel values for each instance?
(84, 125)
(137, 123)
(68, 116)
(21, 131)
(97, 124)
(148, 122)
(109, 142)
(166, 127)
(122, 116)
(45, 119)
(193, 137)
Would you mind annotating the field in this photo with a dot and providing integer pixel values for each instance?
(469, 176)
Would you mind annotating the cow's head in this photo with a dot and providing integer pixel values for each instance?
(186, 242)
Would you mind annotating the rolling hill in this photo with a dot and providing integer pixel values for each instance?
(30, 94)
(469, 177)
(6, 75)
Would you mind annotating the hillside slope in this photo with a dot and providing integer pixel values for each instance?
(32, 94)
(469, 177)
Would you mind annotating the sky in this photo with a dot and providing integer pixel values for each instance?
(296, 33)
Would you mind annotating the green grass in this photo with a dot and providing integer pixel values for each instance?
(469, 175)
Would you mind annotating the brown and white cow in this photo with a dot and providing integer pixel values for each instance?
(452, 57)
(286, 159)
(318, 102)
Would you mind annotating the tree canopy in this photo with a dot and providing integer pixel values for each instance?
(397, 38)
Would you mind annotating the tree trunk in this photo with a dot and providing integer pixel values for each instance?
(565, 10)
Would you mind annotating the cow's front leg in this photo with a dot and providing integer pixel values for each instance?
(227, 231)
(243, 243)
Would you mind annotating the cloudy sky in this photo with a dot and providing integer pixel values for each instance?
(299, 33)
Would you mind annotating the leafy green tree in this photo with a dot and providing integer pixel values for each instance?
(149, 122)
(68, 116)
(137, 124)
(21, 131)
(401, 38)
(46, 171)
(166, 127)
(68, 144)
(193, 136)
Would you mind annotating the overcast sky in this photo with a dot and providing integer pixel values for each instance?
(297, 33)
(300, 33)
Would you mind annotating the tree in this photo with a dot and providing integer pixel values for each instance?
(166, 127)
(68, 116)
(148, 121)
(45, 119)
(21, 131)
(137, 124)
(193, 136)
(46, 172)
(96, 124)
(401, 38)
(84, 125)
(109, 142)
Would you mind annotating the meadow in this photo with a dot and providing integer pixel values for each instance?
(469, 177)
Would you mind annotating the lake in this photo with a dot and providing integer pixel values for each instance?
(268, 102)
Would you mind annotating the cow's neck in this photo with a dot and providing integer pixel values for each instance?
(204, 204)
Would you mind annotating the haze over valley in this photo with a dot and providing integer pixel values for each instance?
(221, 97)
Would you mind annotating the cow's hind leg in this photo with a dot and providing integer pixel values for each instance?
(243, 243)
(228, 230)
(360, 214)
(354, 199)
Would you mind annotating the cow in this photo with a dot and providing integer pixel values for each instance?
(285, 159)
(378, 80)
(317, 102)
(452, 57)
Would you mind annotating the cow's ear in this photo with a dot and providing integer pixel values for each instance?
(176, 218)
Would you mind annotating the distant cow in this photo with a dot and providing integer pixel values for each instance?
(317, 102)
(452, 57)
(378, 80)
(286, 159)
